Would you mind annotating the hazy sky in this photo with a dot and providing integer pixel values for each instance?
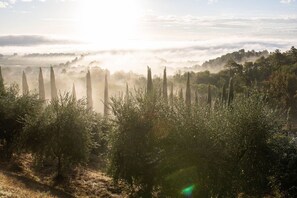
(159, 20)
(131, 34)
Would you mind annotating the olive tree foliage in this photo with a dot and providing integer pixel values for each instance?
(134, 151)
(62, 132)
(220, 152)
(13, 108)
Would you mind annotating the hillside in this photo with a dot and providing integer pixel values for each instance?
(20, 179)
(240, 57)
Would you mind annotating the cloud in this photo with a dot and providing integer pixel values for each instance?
(287, 1)
(3, 4)
(212, 1)
(29, 40)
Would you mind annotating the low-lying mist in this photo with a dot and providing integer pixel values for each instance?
(123, 67)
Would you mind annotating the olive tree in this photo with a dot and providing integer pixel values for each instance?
(62, 132)
(13, 108)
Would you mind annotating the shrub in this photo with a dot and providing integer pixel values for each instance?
(62, 133)
(134, 154)
(13, 108)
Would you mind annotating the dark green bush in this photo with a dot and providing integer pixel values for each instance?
(134, 154)
(14, 107)
(62, 133)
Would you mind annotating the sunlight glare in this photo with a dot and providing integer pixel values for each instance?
(103, 21)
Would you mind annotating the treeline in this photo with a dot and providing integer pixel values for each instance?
(240, 56)
(274, 75)
(217, 136)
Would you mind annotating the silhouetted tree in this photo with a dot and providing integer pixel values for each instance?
(106, 98)
(41, 86)
(89, 91)
(127, 94)
(171, 94)
(188, 91)
(209, 95)
(196, 97)
(165, 95)
(73, 92)
(54, 93)
(224, 95)
(25, 84)
(231, 92)
(181, 94)
(1, 81)
(149, 87)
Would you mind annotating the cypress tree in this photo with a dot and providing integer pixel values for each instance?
(231, 92)
(25, 84)
(165, 95)
(127, 93)
(149, 87)
(196, 97)
(188, 91)
(181, 94)
(89, 90)
(1, 81)
(73, 92)
(54, 93)
(171, 94)
(106, 102)
(209, 95)
(224, 95)
(41, 86)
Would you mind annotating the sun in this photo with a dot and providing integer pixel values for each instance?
(105, 21)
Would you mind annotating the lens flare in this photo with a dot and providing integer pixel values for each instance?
(187, 192)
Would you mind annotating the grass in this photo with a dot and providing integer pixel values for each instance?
(11, 187)
(20, 179)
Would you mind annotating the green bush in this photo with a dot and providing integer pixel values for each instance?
(62, 133)
(134, 154)
(168, 150)
(13, 108)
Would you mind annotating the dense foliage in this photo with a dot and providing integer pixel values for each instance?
(61, 132)
(14, 107)
(222, 152)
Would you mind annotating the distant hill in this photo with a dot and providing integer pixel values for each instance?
(240, 57)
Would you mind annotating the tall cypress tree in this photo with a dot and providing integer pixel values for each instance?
(54, 93)
(41, 86)
(231, 92)
(224, 95)
(106, 99)
(1, 81)
(209, 95)
(181, 94)
(89, 90)
(171, 94)
(25, 84)
(196, 97)
(188, 91)
(149, 87)
(165, 95)
(127, 93)
(73, 92)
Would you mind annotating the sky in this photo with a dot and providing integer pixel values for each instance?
(185, 31)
